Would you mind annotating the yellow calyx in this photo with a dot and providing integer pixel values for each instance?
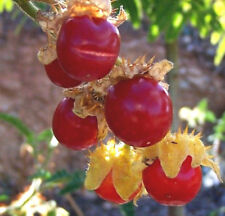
(126, 166)
(174, 149)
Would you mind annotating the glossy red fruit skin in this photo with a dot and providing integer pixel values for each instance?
(108, 192)
(58, 76)
(72, 131)
(172, 191)
(87, 48)
(138, 111)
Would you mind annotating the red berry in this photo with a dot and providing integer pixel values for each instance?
(138, 111)
(108, 192)
(87, 48)
(172, 191)
(72, 131)
(57, 75)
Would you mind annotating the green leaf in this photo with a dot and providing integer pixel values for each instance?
(43, 174)
(45, 136)
(60, 176)
(213, 213)
(210, 117)
(19, 125)
(52, 213)
(203, 105)
(215, 37)
(220, 51)
(127, 209)
(153, 32)
(6, 5)
(4, 197)
(76, 183)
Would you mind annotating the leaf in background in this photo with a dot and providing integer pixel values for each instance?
(76, 183)
(203, 105)
(52, 213)
(153, 32)
(220, 51)
(42, 173)
(19, 125)
(45, 136)
(6, 5)
(127, 209)
(210, 117)
(215, 37)
(4, 197)
(60, 176)
(219, 129)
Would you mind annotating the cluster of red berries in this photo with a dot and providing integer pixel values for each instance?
(137, 110)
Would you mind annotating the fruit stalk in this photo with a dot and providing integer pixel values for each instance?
(28, 8)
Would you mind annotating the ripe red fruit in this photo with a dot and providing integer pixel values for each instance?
(72, 131)
(138, 111)
(172, 191)
(58, 76)
(87, 48)
(108, 192)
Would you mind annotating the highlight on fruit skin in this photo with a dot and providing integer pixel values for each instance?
(125, 166)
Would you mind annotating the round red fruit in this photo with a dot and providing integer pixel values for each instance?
(138, 111)
(72, 131)
(172, 191)
(58, 76)
(108, 192)
(87, 48)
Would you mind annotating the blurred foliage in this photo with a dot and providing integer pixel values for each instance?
(218, 212)
(6, 5)
(31, 201)
(199, 115)
(168, 17)
(127, 209)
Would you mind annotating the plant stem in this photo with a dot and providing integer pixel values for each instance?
(173, 55)
(176, 211)
(28, 8)
(74, 205)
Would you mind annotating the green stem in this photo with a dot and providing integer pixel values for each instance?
(28, 8)
(176, 211)
(172, 55)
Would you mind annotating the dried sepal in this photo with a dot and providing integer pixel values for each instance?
(89, 103)
(47, 54)
(120, 18)
(126, 166)
(174, 149)
(51, 22)
(89, 97)
(160, 69)
(92, 8)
